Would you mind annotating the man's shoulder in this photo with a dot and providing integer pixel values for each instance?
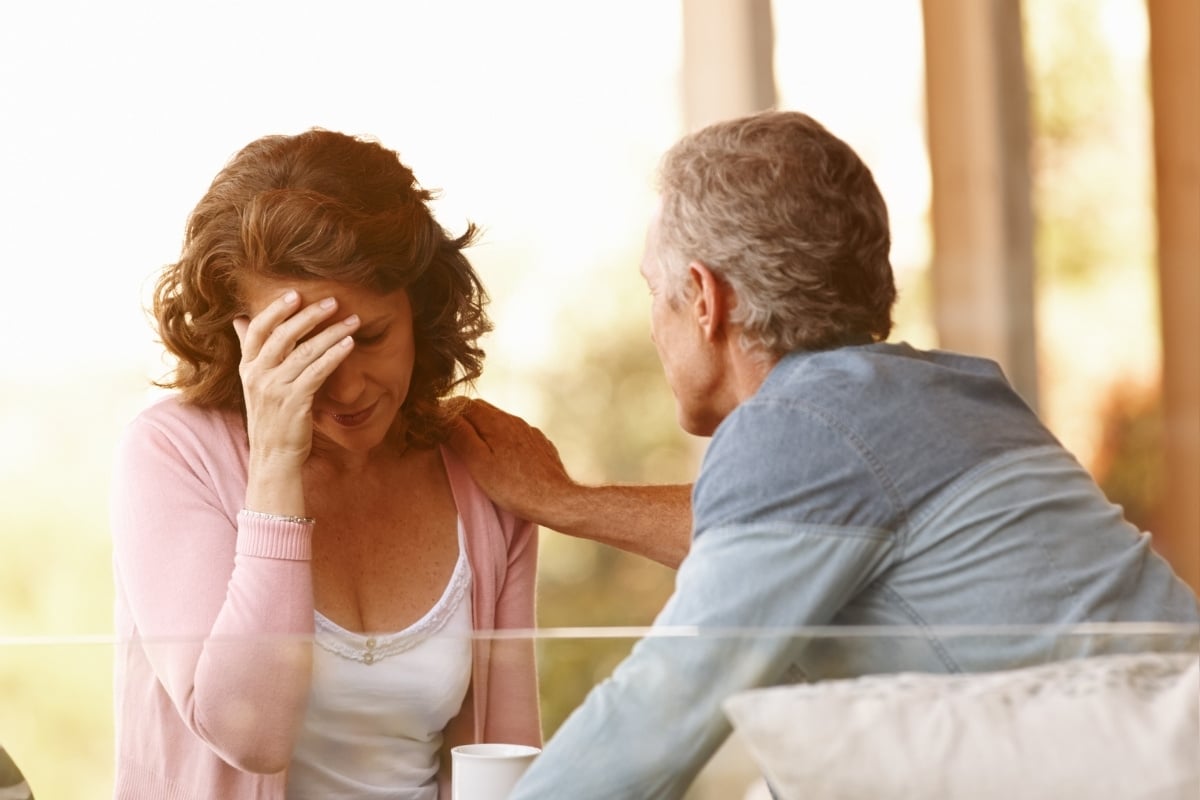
(845, 372)
(889, 398)
(829, 434)
(782, 438)
(785, 460)
(806, 394)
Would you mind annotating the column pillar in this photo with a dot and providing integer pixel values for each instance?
(728, 60)
(1175, 99)
(978, 130)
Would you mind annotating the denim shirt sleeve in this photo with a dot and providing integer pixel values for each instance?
(646, 731)
(792, 519)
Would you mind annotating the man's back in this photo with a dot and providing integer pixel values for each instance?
(872, 485)
(973, 512)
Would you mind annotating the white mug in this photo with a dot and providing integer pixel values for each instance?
(488, 771)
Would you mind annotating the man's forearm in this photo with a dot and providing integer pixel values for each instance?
(519, 468)
(654, 521)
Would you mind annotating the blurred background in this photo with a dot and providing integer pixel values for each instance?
(542, 122)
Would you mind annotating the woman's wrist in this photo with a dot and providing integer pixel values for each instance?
(275, 488)
(279, 517)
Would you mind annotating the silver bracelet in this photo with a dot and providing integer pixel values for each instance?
(280, 517)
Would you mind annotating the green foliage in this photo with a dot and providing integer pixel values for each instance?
(1093, 185)
(1089, 109)
(1071, 73)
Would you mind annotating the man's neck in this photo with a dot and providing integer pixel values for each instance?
(748, 368)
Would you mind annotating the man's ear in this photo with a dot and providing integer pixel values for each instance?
(709, 300)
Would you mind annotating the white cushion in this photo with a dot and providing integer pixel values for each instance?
(1124, 727)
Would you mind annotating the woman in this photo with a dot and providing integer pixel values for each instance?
(295, 490)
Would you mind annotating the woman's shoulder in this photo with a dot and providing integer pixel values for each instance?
(479, 514)
(185, 425)
(468, 497)
(171, 411)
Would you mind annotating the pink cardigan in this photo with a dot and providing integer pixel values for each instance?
(214, 616)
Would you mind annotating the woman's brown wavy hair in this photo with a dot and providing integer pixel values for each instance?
(320, 205)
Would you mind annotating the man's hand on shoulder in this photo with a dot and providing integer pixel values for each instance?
(513, 462)
(520, 469)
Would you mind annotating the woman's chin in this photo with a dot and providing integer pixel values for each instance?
(332, 433)
(332, 439)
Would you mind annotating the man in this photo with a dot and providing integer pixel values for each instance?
(848, 481)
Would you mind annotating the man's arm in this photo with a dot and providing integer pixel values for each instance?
(520, 469)
(734, 623)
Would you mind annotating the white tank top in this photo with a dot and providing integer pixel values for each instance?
(379, 702)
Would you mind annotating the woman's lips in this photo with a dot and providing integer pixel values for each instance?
(355, 419)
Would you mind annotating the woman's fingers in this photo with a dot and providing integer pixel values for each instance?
(240, 324)
(285, 328)
(322, 365)
(308, 352)
(279, 338)
(255, 334)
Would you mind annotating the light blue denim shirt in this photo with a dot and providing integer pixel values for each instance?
(872, 485)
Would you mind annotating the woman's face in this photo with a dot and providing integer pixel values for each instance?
(358, 404)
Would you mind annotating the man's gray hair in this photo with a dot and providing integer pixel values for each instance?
(790, 217)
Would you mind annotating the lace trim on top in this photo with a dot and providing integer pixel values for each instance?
(369, 648)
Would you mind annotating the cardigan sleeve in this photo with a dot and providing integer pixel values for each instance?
(503, 550)
(220, 601)
(502, 704)
(512, 703)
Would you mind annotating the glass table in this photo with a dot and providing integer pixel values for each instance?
(56, 693)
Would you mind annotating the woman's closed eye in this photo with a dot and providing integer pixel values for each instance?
(370, 338)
